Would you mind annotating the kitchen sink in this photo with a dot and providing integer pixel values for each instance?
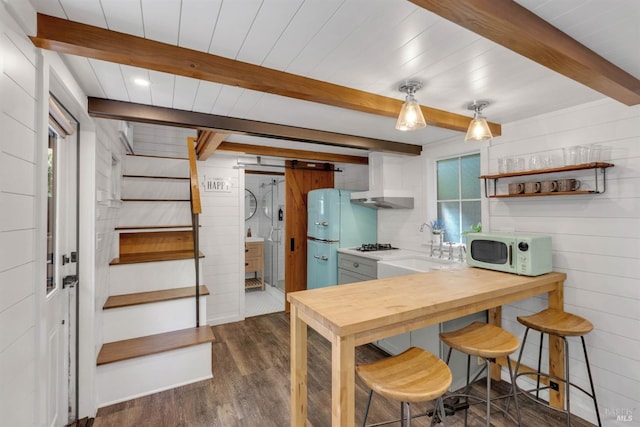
(411, 265)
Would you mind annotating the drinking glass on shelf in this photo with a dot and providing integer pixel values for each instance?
(519, 164)
(584, 154)
(570, 155)
(502, 165)
(546, 162)
(595, 154)
(535, 162)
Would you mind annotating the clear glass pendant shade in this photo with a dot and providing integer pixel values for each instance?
(410, 117)
(478, 130)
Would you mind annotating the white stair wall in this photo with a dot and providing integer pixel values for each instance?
(154, 213)
(152, 276)
(155, 188)
(128, 379)
(150, 319)
(156, 166)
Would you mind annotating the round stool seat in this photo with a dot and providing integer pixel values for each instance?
(557, 322)
(412, 376)
(482, 340)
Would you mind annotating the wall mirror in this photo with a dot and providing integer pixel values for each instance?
(250, 204)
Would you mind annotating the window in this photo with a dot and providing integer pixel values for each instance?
(458, 195)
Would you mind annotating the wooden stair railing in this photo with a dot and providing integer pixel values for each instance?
(196, 209)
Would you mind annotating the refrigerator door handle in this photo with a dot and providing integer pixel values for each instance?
(323, 223)
(321, 257)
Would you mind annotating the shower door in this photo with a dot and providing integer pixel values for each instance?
(273, 216)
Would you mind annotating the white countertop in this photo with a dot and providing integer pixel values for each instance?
(383, 255)
(253, 239)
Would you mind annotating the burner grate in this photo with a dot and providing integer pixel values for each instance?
(370, 247)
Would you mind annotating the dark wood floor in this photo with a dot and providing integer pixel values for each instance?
(250, 388)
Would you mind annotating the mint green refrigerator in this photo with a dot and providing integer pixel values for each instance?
(334, 222)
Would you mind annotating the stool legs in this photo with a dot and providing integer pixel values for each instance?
(514, 391)
(566, 379)
(488, 399)
(366, 411)
(593, 390)
(438, 412)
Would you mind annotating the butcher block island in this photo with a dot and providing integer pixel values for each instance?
(359, 313)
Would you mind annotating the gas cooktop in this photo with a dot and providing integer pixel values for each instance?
(371, 247)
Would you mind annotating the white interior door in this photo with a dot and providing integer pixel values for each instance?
(61, 270)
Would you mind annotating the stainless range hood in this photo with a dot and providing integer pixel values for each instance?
(385, 184)
(381, 200)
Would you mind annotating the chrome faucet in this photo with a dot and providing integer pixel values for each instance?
(450, 251)
(463, 253)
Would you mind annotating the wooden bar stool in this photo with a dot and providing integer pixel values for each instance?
(561, 324)
(487, 342)
(412, 376)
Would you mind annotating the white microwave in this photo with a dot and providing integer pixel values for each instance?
(524, 254)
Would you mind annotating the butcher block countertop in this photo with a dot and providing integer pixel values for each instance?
(359, 313)
(358, 307)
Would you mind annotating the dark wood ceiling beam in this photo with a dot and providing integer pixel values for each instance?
(73, 38)
(141, 113)
(288, 153)
(515, 27)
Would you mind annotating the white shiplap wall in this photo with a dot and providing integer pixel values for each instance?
(596, 242)
(222, 240)
(596, 239)
(18, 287)
(108, 146)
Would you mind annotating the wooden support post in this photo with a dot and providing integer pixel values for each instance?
(298, 370)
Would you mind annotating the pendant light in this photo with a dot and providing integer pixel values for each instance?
(410, 117)
(478, 128)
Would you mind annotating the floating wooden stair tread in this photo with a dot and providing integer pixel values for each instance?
(156, 177)
(151, 227)
(117, 301)
(153, 344)
(156, 200)
(153, 257)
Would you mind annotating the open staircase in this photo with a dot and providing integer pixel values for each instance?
(154, 321)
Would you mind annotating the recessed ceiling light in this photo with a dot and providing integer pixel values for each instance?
(142, 82)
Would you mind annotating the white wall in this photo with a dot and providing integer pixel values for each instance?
(26, 77)
(596, 238)
(106, 218)
(222, 240)
(19, 290)
(596, 242)
(352, 177)
(400, 227)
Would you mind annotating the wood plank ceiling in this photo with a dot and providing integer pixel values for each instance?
(366, 46)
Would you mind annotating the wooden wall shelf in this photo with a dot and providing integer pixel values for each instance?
(585, 166)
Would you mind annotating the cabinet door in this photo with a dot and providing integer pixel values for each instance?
(346, 276)
(427, 338)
